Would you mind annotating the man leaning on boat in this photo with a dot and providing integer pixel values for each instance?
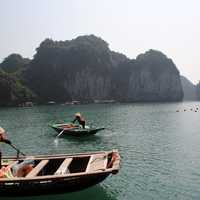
(80, 120)
(3, 139)
(18, 169)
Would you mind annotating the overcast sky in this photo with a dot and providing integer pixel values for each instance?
(129, 26)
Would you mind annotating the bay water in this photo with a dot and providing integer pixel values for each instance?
(159, 144)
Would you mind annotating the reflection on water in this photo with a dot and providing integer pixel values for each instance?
(96, 192)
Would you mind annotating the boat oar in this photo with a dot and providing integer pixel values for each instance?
(61, 132)
(56, 140)
(66, 130)
(18, 151)
(14, 147)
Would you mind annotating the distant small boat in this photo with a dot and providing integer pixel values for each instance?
(51, 102)
(75, 130)
(61, 173)
(104, 101)
(76, 102)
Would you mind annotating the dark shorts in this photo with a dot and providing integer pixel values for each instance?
(82, 123)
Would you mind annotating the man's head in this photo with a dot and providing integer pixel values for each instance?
(78, 115)
(2, 134)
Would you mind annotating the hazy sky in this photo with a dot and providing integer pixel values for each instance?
(129, 26)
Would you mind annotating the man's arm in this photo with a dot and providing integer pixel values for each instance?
(74, 121)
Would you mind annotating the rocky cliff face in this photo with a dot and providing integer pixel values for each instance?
(86, 85)
(72, 70)
(198, 91)
(85, 69)
(154, 78)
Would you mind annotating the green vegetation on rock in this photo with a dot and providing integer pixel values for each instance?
(14, 63)
(12, 91)
(85, 69)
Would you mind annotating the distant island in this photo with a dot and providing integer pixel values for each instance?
(189, 89)
(86, 70)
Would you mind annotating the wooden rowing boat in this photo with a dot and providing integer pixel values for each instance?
(60, 173)
(75, 130)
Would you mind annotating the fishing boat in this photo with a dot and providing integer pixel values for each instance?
(75, 130)
(61, 173)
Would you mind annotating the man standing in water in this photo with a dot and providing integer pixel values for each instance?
(3, 139)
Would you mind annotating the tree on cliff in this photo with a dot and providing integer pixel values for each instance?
(12, 91)
(13, 63)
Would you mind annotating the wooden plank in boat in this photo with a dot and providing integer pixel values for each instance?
(64, 166)
(37, 169)
(97, 162)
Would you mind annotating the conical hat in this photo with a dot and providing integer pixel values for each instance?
(78, 114)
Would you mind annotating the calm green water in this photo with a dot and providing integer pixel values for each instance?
(160, 148)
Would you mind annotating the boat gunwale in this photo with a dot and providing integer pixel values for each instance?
(55, 156)
(54, 177)
(76, 128)
(113, 169)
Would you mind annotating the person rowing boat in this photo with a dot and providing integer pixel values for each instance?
(80, 120)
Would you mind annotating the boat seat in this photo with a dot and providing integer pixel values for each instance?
(97, 162)
(35, 171)
(63, 169)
